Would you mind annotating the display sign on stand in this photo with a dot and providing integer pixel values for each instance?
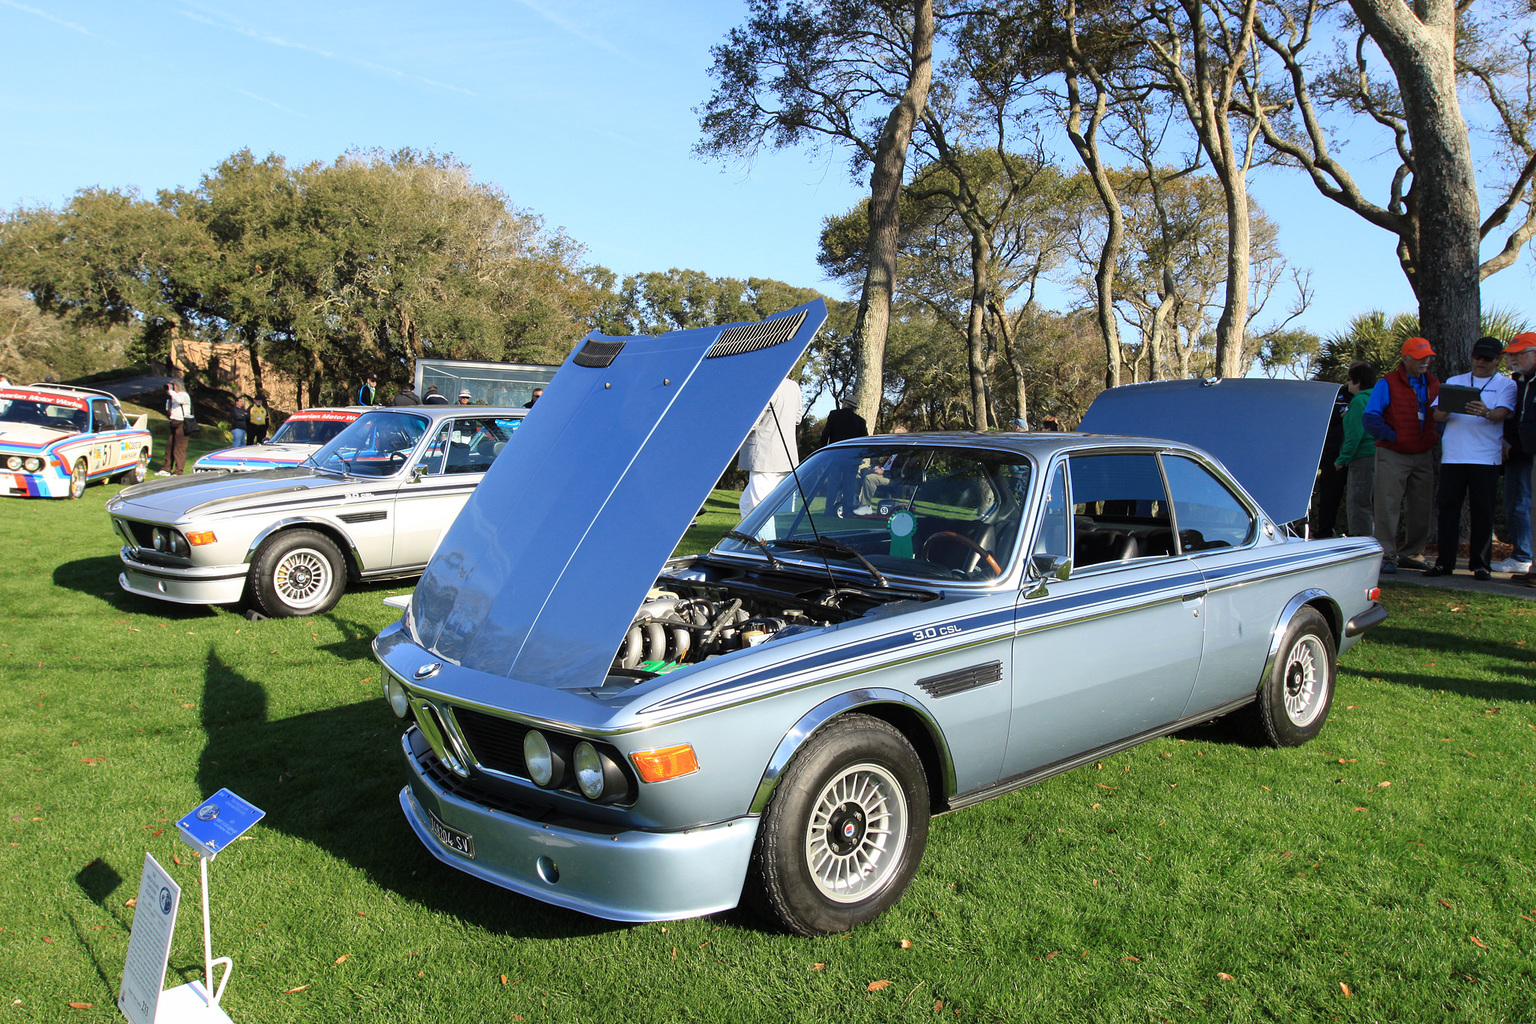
(208, 829)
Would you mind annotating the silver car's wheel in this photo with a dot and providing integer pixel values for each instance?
(1293, 702)
(297, 572)
(78, 477)
(857, 831)
(845, 830)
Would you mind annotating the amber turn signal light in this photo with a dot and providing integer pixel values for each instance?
(666, 763)
(199, 538)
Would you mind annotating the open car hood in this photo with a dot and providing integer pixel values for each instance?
(542, 571)
(1268, 433)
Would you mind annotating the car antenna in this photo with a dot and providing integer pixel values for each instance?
(794, 471)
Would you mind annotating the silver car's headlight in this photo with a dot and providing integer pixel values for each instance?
(399, 700)
(13, 462)
(162, 539)
(545, 767)
(599, 777)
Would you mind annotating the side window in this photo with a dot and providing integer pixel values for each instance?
(1209, 516)
(432, 457)
(473, 444)
(1055, 519)
(101, 417)
(1120, 509)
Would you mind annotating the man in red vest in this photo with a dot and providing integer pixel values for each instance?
(1398, 416)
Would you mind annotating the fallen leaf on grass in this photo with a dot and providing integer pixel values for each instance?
(47, 940)
(1132, 959)
(341, 959)
(1345, 989)
(1445, 904)
(1053, 954)
(503, 979)
(176, 859)
(1479, 943)
(674, 952)
(817, 967)
(1360, 808)
(877, 986)
(1383, 785)
(131, 902)
(905, 943)
(1225, 976)
(291, 991)
(1102, 786)
(80, 1006)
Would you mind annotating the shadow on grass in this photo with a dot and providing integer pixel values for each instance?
(331, 778)
(97, 577)
(1436, 644)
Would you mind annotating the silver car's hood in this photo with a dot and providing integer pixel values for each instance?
(294, 453)
(173, 497)
(1268, 433)
(543, 570)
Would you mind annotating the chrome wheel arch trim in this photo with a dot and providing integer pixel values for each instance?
(349, 549)
(1312, 596)
(829, 709)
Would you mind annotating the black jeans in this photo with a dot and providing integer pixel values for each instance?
(1476, 484)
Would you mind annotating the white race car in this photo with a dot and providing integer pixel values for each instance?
(300, 436)
(55, 439)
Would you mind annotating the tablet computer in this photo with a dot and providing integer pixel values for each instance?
(1454, 397)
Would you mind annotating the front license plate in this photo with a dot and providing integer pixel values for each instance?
(461, 843)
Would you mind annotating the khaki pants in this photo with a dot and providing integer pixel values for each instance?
(1404, 495)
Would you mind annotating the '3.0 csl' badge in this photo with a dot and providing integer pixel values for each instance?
(428, 671)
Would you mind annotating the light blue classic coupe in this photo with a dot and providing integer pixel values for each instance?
(908, 625)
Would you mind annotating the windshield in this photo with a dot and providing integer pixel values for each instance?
(311, 428)
(936, 513)
(377, 444)
(40, 410)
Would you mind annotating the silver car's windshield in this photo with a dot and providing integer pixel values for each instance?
(377, 444)
(310, 428)
(932, 512)
(38, 410)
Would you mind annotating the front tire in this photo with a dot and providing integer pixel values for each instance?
(79, 476)
(845, 830)
(1294, 701)
(297, 572)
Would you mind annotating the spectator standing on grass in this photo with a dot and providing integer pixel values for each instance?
(1357, 452)
(178, 409)
(843, 423)
(1398, 417)
(1470, 454)
(258, 417)
(239, 422)
(1517, 466)
(1522, 359)
(771, 451)
(368, 394)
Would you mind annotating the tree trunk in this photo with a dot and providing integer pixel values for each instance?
(1443, 199)
(885, 181)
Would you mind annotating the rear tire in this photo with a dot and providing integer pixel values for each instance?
(79, 476)
(1294, 701)
(140, 471)
(297, 572)
(845, 830)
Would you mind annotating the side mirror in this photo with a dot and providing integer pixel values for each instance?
(1046, 568)
(418, 471)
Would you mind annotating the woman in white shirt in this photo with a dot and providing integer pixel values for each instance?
(178, 407)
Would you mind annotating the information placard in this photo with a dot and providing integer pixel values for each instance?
(149, 943)
(217, 822)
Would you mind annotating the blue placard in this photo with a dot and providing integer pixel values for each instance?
(217, 822)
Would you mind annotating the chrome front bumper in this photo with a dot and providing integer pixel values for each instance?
(626, 876)
(216, 584)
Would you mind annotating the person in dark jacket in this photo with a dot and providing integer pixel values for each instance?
(407, 396)
(368, 394)
(843, 423)
(1328, 494)
(1517, 467)
(1521, 354)
(1398, 417)
(239, 422)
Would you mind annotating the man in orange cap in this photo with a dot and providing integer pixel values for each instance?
(1520, 434)
(1398, 417)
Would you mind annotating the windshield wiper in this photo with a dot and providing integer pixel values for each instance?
(825, 544)
(747, 538)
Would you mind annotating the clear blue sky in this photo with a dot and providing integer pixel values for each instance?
(582, 111)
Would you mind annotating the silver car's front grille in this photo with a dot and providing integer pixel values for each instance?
(494, 743)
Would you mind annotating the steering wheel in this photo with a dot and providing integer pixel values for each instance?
(986, 555)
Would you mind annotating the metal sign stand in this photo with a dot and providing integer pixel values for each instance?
(216, 823)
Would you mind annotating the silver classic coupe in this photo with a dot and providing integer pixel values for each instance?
(908, 625)
(370, 504)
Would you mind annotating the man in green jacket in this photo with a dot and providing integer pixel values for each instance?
(1358, 452)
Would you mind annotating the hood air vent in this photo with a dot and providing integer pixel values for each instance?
(598, 354)
(733, 341)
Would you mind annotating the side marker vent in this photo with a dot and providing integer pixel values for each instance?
(951, 683)
(598, 354)
(733, 341)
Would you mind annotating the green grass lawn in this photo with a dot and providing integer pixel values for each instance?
(1386, 872)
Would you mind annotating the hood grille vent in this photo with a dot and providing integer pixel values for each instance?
(733, 341)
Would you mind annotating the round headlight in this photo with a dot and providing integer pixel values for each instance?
(541, 761)
(589, 771)
(162, 539)
(14, 462)
(32, 465)
(399, 700)
(179, 545)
